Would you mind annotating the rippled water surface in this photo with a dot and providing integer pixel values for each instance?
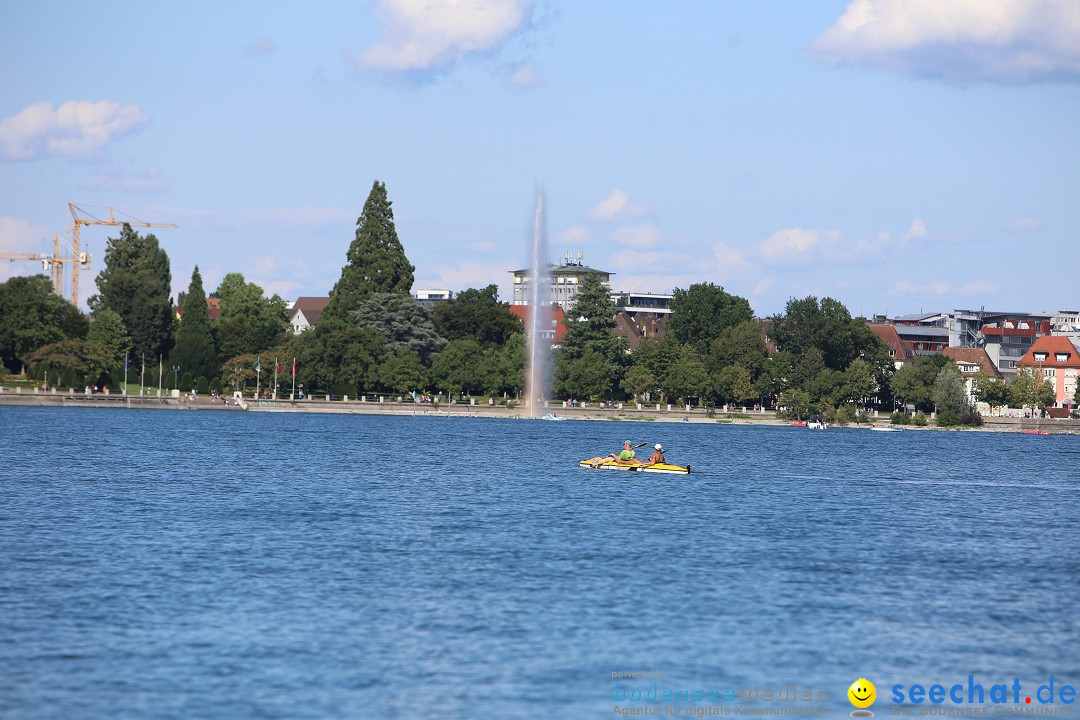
(253, 565)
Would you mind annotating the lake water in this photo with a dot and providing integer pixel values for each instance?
(162, 564)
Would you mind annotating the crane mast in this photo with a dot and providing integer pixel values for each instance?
(80, 259)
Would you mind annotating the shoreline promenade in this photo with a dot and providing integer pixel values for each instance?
(625, 413)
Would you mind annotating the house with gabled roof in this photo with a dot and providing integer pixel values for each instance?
(1056, 359)
(306, 312)
(901, 351)
(969, 361)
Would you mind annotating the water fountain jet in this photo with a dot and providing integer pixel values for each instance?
(537, 348)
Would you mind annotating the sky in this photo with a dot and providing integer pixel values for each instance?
(898, 155)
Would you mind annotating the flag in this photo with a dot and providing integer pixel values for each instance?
(277, 366)
(294, 367)
(258, 366)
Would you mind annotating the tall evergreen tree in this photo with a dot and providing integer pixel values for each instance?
(591, 361)
(376, 259)
(135, 284)
(194, 351)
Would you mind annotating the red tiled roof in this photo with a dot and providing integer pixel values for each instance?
(903, 350)
(972, 356)
(1052, 345)
(555, 313)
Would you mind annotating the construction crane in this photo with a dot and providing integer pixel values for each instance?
(82, 260)
(51, 263)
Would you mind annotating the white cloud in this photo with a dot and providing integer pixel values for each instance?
(637, 236)
(979, 287)
(1025, 226)
(75, 129)
(115, 178)
(616, 205)
(729, 260)
(262, 46)
(428, 34)
(793, 245)
(959, 41)
(574, 235)
(526, 76)
(940, 287)
(481, 246)
(874, 247)
(276, 218)
(917, 230)
(467, 274)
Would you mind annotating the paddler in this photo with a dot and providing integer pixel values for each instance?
(658, 455)
(627, 456)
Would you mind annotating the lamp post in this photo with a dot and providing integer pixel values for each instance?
(175, 372)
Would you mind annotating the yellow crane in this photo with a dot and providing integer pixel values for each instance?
(80, 259)
(52, 263)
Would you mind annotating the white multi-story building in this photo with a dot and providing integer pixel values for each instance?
(562, 281)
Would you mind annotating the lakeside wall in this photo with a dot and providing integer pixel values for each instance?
(647, 413)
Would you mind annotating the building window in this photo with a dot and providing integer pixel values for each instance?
(1061, 357)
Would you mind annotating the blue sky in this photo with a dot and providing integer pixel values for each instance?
(898, 155)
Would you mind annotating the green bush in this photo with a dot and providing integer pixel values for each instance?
(862, 417)
(186, 382)
(845, 415)
(202, 386)
(919, 420)
(947, 418)
(900, 418)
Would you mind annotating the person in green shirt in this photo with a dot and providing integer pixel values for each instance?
(628, 455)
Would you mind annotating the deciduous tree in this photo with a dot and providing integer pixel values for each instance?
(32, 316)
(700, 314)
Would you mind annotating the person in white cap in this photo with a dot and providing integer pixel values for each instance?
(657, 456)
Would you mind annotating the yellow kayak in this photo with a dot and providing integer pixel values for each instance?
(617, 465)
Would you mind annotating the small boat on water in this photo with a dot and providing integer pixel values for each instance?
(1034, 431)
(549, 416)
(887, 429)
(630, 467)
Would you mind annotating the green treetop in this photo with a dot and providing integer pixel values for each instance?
(194, 351)
(701, 314)
(248, 322)
(476, 315)
(136, 283)
(376, 259)
(32, 316)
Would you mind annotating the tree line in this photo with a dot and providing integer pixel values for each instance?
(374, 337)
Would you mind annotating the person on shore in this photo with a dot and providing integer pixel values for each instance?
(658, 455)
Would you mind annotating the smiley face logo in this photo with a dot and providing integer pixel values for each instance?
(862, 693)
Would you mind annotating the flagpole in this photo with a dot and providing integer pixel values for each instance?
(159, 370)
(125, 373)
(275, 378)
(293, 396)
(142, 374)
(258, 376)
